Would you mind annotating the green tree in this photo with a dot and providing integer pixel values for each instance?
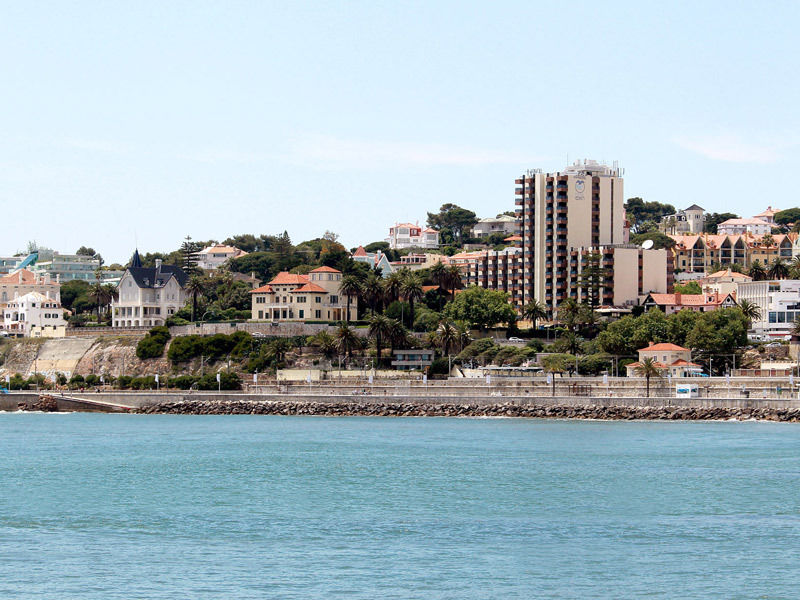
(639, 212)
(778, 268)
(750, 310)
(757, 271)
(788, 216)
(350, 287)
(714, 219)
(195, 288)
(445, 336)
(190, 252)
(593, 277)
(690, 287)
(347, 340)
(453, 219)
(648, 368)
(481, 308)
(659, 239)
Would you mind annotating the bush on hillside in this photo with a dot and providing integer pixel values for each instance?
(152, 345)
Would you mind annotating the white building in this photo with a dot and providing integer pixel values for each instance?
(502, 224)
(754, 226)
(768, 215)
(148, 296)
(408, 235)
(33, 314)
(779, 301)
(213, 257)
(688, 220)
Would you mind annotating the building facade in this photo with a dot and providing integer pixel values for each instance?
(688, 220)
(24, 281)
(68, 267)
(672, 303)
(33, 315)
(408, 235)
(779, 304)
(313, 297)
(147, 297)
(753, 226)
(502, 224)
(698, 253)
(213, 257)
(670, 359)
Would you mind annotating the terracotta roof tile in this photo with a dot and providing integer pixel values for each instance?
(286, 278)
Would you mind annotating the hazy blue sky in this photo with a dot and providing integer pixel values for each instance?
(153, 120)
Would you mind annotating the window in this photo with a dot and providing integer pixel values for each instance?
(302, 313)
(318, 299)
(334, 299)
(317, 314)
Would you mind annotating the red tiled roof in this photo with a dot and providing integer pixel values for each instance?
(286, 278)
(513, 238)
(264, 289)
(428, 288)
(325, 270)
(683, 363)
(310, 287)
(21, 277)
(714, 299)
(360, 251)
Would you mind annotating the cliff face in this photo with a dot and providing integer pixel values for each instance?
(70, 356)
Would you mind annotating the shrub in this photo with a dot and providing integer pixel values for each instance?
(17, 382)
(152, 345)
(92, 379)
(440, 366)
(143, 383)
(76, 380)
(182, 382)
(228, 381)
(124, 382)
(185, 348)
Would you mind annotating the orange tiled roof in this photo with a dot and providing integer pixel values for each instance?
(360, 251)
(286, 278)
(727, 273)
(21, 277)
(325, 270)
(264, 289)
(428, 288)
(714, 299)
(665, 347)
(310, 287)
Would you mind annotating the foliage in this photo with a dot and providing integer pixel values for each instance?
(152, 345)
(481, 308)
(558, 363)
(440, 366)
(638, 212)
(660, 240)
(452, 220)
(690, 287)
(213, 347)
(785, 217)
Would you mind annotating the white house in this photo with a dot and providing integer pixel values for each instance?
(755, 226)
(408, 235)
(213, 257)
(148, 296)
(33, 314)
(488, 226)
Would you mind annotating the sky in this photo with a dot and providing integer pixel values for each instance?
(125, 124)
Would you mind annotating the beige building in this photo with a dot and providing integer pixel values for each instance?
(723, 282)
(698, 253)
(669, 358)
(24, 281)
(213, 257)
(688, 220)
(313, 297)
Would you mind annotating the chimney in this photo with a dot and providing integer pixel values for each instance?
(677, 298)
(650, 343)
(158, 266)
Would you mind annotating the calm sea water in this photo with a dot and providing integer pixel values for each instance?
(122, 506)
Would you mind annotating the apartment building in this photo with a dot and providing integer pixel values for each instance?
(409, 235)
(313, 297)
(148, 296)
(697, 253)
(570, 221)
(66, 267)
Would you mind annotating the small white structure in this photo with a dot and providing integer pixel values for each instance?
(32, 312)
(754, 226)
(687, 390)
(501, 224)
(409, 235)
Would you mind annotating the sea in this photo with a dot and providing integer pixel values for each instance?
(157, 506)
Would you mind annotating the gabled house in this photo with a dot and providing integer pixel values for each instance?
(34, 315)
(146, 296)
(376, 260)
(672, 303)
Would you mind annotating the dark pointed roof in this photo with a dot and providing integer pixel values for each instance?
(154, 278)
(136, 262)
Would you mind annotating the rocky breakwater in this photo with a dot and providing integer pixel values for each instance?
(533, 411)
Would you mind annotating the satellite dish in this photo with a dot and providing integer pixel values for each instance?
(647, 244)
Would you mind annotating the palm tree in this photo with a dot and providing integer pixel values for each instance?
(391, 287)
(277, 349)
(195, 288)
(568, 313)
(453, 280)
(438, 274)
(463, 338)
(533, 311)
(648, 368)
(347, 340)
(325, 342)
(445, 335)
(411, 289)
(757, 271)
(101, 295)
(373, 292)
(398, 335)
(350, 287)
(778, 269)
(750, 310)
(380, 327)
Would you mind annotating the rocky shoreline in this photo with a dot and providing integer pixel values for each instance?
(532, 411)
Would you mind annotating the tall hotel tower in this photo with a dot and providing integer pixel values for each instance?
(563, 219)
